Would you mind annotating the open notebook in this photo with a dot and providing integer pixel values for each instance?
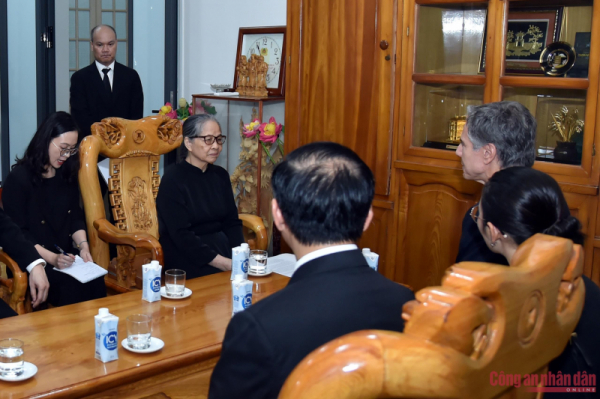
(83, 271)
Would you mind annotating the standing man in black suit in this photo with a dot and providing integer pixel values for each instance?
(322, 204)
(27, 257)
(105, 88)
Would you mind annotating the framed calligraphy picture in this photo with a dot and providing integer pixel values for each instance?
(528, 32)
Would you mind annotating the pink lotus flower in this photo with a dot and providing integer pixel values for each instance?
(269, 132)
(251, 129)
(172, 114)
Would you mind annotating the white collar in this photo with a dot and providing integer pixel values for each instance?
(101, 67)
(323, 252)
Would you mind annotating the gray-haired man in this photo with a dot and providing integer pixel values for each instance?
(497, 136)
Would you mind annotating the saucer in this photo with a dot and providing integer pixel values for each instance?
(156, 344)
(186, 293)
(259, 274)
(29, 371)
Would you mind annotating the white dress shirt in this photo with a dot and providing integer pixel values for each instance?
(111, 73)
(323, 252)
(35, 263)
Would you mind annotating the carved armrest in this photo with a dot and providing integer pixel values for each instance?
(374, 364)
(17, 285)
(113, 235)
(256, 224)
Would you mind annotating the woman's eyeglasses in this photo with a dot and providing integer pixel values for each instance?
(209, 140)
(475, 214)
(66, 151)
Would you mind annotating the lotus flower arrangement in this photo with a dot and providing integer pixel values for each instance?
(185, 109)
(267, 133)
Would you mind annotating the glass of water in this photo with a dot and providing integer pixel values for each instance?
(11, 357)
(139, 331)
(175, 282)
(258, 261)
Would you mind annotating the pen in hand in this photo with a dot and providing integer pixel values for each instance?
(65, 262)
(63, 252)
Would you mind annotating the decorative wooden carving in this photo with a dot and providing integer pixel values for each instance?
(242, 75)
(123, 264)
(110, 131)
(139, 136)
(155, 178)
(170, 131)
(116, 201)
(483, 319)
(252, 76)
(142, 218)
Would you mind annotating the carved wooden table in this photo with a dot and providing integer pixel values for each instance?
(60, 342)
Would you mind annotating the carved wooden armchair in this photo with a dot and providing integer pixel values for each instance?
(134, 149)
(13, 290)
(484, 319)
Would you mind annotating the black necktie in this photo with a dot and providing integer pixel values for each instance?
(106, 81)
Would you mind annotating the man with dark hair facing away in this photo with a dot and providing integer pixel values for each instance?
(322, 204)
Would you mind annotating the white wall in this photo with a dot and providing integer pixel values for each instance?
(21, 75)
(208, 39)
(208, 36)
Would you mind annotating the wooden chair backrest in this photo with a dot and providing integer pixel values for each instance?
(134, 149)
(483, 319)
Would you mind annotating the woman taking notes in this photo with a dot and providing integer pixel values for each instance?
(41, 195)
(197, 216)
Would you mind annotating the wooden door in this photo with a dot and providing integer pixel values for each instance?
(433, 203)
(339, 83)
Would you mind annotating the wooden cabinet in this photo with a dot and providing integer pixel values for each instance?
(433, 203)
(340, 78)
(403, 115)
(460, 53)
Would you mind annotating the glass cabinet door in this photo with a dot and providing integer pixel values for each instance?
(538, 55)
(449, 72)
(546, 68)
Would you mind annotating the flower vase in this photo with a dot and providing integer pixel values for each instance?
(566, 152)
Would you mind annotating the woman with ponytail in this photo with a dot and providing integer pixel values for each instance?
(517, 203)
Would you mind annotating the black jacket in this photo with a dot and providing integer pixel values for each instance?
(17, 247)
(91, 102)
(326, 298)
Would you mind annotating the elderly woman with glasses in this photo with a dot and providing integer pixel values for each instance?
(197, 216)
(41, 195)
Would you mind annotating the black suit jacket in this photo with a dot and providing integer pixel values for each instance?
(91, 102)
(472, 247)
(326, 298)
(17, 247)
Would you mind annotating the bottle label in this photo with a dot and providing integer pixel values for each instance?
(110, 341)
(155, 284)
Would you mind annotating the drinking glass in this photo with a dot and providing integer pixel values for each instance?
(11, 357)
(175, 282)
(258, 261)
(139, 331)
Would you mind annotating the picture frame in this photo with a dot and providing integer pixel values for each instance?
(529, 31)
(270, 42)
